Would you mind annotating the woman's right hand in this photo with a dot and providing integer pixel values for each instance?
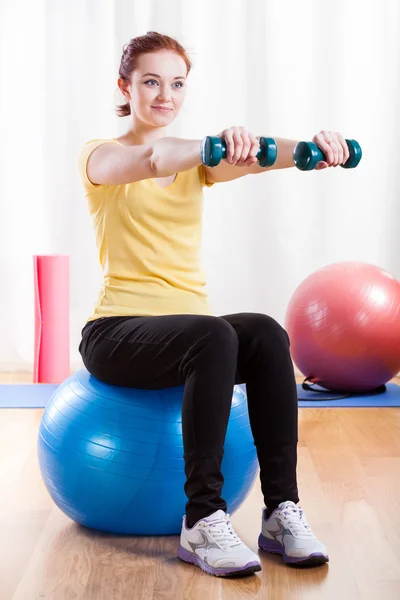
(241, 146)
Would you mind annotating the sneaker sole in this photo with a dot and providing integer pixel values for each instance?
(312, 560)
(189, 557)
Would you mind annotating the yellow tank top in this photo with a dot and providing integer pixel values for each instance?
(149, 242)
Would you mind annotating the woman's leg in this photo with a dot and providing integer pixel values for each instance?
(165, 351)
(265, 365)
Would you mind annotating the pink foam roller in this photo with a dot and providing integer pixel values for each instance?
(52, 320)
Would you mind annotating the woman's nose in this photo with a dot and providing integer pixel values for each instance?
(164, 93)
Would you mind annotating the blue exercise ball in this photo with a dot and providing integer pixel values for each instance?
(112, 457)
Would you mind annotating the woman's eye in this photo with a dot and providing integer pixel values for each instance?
(177, 84)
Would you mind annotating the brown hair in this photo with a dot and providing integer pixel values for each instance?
(151, 42)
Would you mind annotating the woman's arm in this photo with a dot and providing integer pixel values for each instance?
(242, 148)
(227, 172)
(284, 158)
(113, 164)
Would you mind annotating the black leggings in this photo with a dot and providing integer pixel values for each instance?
(209, 355)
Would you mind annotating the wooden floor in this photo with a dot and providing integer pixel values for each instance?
(349, 480)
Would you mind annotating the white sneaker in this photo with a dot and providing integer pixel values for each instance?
(213, 545)
(288, 533)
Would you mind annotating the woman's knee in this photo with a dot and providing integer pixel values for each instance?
(218, 333)
(266, 327)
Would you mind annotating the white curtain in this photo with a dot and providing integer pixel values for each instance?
(284, 69)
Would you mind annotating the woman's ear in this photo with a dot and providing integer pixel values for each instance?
(124, 88)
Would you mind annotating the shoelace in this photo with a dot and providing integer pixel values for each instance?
(223, 533)
(297, 519)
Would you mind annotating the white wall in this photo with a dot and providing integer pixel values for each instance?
(285, 69)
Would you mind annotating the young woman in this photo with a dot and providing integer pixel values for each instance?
(152, 326)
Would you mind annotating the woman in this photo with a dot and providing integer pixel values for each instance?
(152, 326)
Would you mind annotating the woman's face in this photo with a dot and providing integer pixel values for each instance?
(157, 88)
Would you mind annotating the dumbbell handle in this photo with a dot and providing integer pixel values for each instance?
(307, 155)
(213, 150)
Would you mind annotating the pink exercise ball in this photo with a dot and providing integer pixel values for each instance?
(344, 327)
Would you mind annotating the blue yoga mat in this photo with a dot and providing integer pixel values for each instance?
(26, 395)
(37, 396)
(323, 398)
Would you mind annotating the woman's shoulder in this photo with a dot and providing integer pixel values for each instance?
(85, 151)
(93, 143)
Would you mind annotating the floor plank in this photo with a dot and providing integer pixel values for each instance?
(349, 481)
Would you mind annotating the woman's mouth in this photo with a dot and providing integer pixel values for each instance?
(162, 109)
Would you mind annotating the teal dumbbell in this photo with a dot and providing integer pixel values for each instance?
(307, 155)
(213, 150)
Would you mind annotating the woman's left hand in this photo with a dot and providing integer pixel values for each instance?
(334, 147)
